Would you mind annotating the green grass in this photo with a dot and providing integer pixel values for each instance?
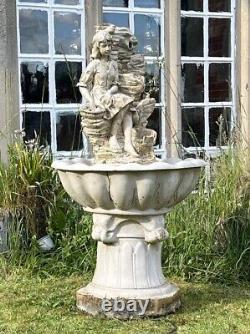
(209, 230)
(29, 304)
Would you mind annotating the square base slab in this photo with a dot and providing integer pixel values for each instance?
(127, 308)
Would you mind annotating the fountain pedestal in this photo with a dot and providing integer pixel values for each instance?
(128, 269)
(128, 203)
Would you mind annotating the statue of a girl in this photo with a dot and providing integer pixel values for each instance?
(99, 86)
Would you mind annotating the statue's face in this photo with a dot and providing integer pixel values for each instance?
(105, 48)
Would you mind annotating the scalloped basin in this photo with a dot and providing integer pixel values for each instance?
(129, 189)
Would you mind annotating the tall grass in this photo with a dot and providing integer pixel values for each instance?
(34, 203)
(210, 230)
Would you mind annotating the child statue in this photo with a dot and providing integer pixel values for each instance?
(114, 115)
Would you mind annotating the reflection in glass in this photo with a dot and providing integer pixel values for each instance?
(34, 1)
(193, 129)
(37, 124)
(118, 19)
(34, 82)
(219, 126)
(192, 36)
(152, 80)
(219, 82)
(33, 31)
(219, 37)
(154, 123)
(67, 2)
(67, 75)
(115, 3)
(219, 5)
(196, 5)
(68, 132)
(192, 83)
(67, 33)
(147, 31)
(147, 3)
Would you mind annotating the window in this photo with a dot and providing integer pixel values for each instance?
(51, 58)
(145, 18)
(208, 96)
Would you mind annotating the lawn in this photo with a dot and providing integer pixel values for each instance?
(32, 305)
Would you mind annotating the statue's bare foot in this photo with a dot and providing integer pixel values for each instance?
(113, 143)
(130, 150)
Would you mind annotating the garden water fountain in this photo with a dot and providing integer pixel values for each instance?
(124, 185)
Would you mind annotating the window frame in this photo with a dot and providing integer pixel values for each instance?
(51, 58)
(206, 61)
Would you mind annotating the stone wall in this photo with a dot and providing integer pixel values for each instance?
(9, 114)
(243, 71)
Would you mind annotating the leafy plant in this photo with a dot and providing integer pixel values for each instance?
(28, 186)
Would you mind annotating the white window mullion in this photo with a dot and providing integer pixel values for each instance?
(206, 74)
(52, 86)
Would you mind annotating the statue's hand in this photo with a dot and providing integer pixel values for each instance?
(91, 105)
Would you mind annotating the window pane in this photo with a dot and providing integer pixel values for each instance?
(154, 123)
(219, 38)
(147, 3)
(196, 5)
(120, 20)
(67, 2)
(37, 124)
(33, 31)
(115, 3)
(67, 76)
(191, 37)
(219, 126)
(193, 130)
(34, 82)
(34, 1)
(152, 78)
(193, 83)
(219, 5)
(219, 82)
(67, 33)
(68, 133)
(147, 31)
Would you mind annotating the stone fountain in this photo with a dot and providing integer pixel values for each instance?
(124, 185)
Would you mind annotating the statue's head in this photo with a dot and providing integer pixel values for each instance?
(102, 43)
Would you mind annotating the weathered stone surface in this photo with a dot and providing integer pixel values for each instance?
(130, 189)
(157, 306)
(116, 108)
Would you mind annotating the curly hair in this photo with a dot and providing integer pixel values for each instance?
(100, 36)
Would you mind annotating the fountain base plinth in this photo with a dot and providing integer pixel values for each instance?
(128, 303)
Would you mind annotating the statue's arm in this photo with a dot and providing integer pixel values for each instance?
(87, 96)
(86, 82)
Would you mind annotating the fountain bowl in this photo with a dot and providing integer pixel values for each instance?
(129, 189)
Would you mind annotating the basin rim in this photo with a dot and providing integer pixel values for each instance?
(82, 165)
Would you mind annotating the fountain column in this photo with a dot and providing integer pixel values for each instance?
(128, 268)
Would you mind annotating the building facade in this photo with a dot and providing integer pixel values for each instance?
(197, 68)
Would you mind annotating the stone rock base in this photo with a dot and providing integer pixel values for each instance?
(128, 303)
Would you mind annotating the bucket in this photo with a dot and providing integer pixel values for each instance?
(46, 243)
